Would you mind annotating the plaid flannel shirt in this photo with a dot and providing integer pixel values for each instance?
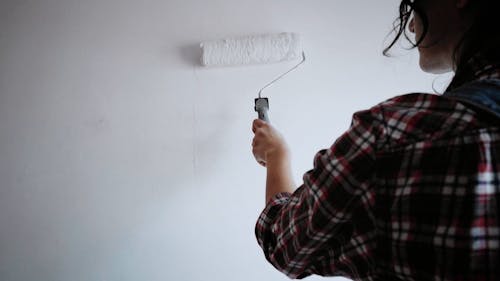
(410, 191)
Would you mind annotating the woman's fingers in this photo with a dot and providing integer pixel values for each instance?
(257, 123)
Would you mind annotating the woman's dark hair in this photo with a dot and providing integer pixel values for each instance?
(482, 36)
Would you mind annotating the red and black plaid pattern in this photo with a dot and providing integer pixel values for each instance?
(411, 191)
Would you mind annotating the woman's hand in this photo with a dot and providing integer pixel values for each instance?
(271, 151)
(268, 144)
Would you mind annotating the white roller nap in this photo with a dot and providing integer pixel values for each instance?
(257, 49)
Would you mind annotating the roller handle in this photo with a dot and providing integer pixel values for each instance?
(262, 108)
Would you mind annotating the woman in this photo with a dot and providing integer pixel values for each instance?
(412, 190)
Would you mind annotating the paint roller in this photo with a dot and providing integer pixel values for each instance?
(253, 50)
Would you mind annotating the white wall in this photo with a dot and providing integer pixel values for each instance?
(122, 159)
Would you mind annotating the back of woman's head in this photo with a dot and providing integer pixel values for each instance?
(481, 22)
(483, 35)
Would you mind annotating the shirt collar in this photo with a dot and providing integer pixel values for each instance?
(476, 68)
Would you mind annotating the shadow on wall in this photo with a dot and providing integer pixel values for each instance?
(191, 54)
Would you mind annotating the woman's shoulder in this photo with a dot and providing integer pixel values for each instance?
(416, 116)
(413, 101)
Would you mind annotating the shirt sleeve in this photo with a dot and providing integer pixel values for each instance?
(297, 230)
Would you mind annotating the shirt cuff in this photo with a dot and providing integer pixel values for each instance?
(278, 199)
(268, 215)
